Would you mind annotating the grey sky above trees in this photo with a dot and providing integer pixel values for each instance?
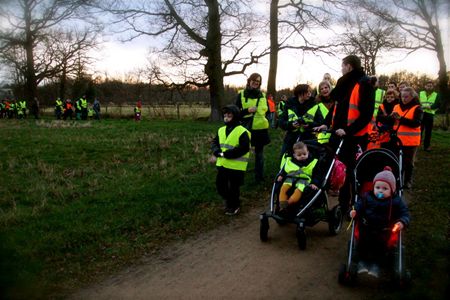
(201, 42)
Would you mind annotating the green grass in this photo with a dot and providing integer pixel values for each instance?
(79, 200)
(76, 201)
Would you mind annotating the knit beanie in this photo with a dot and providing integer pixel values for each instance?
(387, 176)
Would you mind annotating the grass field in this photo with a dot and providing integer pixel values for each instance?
(79, 200)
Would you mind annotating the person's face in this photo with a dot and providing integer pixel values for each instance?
(345, 68)
(227, 117)
(327, 77)
(429, 86)
(391, 86)
(406, 97)
(401, 87)
(381, 187)
(255, 83)
(324, 90)
(304, 96)
(390, 98)
(301, 154)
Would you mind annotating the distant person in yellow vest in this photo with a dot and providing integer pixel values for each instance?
(253, 106)
(231, 151)
(379, 94)
(59, 107)
(138, 111)
(22, 109)
(429, 100)
(408, 118)
(84, 107)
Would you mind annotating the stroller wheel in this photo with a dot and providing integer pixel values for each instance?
(347, 277)
(264, 228)
(301, 237)
(403, 281)
(335, 220)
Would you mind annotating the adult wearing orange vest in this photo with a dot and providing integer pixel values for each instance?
(408, 118)
(354, 98)
(429, 100)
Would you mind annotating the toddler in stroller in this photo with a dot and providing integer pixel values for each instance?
(378, 217)
(299, 171)
(378, 213)
(299, 192)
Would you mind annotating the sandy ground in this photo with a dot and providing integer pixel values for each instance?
(232, 263)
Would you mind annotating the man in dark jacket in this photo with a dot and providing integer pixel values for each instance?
(354, 96)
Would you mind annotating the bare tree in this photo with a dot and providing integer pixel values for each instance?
(67, 50)
(420, 20)
(204, 40)
(289, 20)
(369, 37)
(27, 28)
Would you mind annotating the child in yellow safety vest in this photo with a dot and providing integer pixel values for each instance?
(231, 151)
(299, 171)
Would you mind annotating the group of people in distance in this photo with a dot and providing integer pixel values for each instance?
(82, 110)
(354, 110)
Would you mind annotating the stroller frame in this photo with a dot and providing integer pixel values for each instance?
(348, 271)
(301, 219)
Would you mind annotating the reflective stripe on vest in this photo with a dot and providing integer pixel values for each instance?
(259, 117)
(427, 102)
(230, 142)
(379, 93)
(353, 111)
(302, 174)
(409, 136)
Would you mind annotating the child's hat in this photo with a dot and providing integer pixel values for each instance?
(386, 176)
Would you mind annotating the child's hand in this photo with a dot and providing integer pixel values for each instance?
(352, 213)
(212, 159)
(313, 186)
(398, 226)
(280, 178)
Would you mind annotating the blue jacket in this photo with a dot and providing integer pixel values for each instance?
(382, 213)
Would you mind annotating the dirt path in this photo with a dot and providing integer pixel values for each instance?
(232, 263)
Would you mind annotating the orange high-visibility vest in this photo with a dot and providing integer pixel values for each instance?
(353, 112)
(409, 136)
(272, 107)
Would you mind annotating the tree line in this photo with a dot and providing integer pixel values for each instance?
(200, 42)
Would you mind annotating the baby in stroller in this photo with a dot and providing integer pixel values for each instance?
(380, 214)
(299, 171)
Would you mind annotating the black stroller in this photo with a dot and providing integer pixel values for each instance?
(367, 166)
(314, 205)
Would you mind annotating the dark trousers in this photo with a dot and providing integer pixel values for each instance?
(348, 157)
(228, 184)
(409, 155)
(426, 129)
(259, 163)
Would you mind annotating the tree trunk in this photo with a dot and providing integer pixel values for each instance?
(30, 77)
(213, 67)
(273, 64)
(443, 81)
(62, 84)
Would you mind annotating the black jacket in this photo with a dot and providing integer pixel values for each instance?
(341, 95)
(382, 213)
(241, 149)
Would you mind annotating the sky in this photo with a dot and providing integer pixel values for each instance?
(119, 59)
